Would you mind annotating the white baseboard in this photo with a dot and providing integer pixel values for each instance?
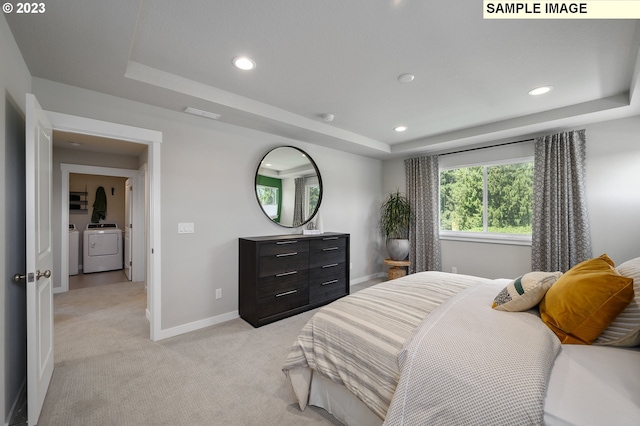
(367, 278)
(207, 322)
(197, 325)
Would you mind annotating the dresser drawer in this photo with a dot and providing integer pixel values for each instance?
(282, 302)
(327, 257)
(327, 283)
(270, 286)
(328, 243)
(283, 247)
(283, 263)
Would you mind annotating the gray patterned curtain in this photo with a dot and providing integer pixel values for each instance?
(560, 229)
(298, 203)
(422, 175)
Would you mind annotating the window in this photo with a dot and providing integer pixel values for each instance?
(487, 200)
(312, 194)
(269, 192)
(268, 197)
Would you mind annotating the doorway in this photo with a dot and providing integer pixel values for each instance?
(152, 140)
(125, 209)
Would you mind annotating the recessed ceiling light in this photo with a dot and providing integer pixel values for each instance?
(406, 78)
(400, 128)
(540, 90)
(244, 63)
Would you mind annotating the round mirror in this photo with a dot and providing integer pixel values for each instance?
(288, 186)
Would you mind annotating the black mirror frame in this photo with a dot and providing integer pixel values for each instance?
(315, 166)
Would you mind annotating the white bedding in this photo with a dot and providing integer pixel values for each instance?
(355, 340)
(594, 386)
(469, 364)
(588, 385)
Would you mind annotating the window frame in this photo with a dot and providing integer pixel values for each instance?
(307, 198)
(484, 236)
(277, 204)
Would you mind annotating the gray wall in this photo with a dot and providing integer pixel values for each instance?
(613, 187)
(207, 172)
(15, 82)
(613, 197)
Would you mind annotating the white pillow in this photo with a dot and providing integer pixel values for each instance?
(525, 292)
(624, 331)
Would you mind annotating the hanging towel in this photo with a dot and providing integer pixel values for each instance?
(99, 206)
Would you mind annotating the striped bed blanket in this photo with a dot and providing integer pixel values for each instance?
(355, 340)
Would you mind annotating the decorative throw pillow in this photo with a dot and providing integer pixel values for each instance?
(525, 292)
(625, 329)
(585, 300)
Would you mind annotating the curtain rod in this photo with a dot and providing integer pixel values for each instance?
(485, 147)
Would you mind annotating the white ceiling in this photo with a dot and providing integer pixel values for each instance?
(343, 57)
(286, 161)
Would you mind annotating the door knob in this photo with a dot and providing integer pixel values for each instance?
(19, 277)
(46, 274)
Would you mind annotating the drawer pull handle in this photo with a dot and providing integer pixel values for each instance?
(330, 248)
(284, 274)
(287, 254)
(329, 282)
(286, 292)
(285, 242)
(329, 238)
(330, 265)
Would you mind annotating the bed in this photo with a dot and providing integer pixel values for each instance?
(429, 348)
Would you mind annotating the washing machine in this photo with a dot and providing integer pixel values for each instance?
(74, 250)
(102, 247)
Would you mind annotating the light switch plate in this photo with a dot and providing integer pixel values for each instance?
(186, 228)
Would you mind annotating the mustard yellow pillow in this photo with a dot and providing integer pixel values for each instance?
(585, 300)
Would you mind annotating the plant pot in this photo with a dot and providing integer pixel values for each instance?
(398, 249)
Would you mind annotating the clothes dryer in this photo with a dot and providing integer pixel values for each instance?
(102, 247)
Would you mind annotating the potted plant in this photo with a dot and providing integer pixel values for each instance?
(395, 214)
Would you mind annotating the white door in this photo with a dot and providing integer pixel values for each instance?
(128, 219)
(39, 258)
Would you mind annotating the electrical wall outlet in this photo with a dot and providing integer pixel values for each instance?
(218, 293)
(454, 270)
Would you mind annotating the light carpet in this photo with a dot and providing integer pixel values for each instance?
(108, 372)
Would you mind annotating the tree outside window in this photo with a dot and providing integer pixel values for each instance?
(494, 199)
(268, 197)
(312, 195)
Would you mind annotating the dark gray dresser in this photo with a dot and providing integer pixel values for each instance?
(284, 275)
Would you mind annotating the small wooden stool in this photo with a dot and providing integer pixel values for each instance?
(397, 269)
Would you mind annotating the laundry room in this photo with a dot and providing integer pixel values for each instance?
(96, 223)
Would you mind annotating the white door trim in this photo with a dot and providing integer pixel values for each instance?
(153, 139)
(140, 216)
